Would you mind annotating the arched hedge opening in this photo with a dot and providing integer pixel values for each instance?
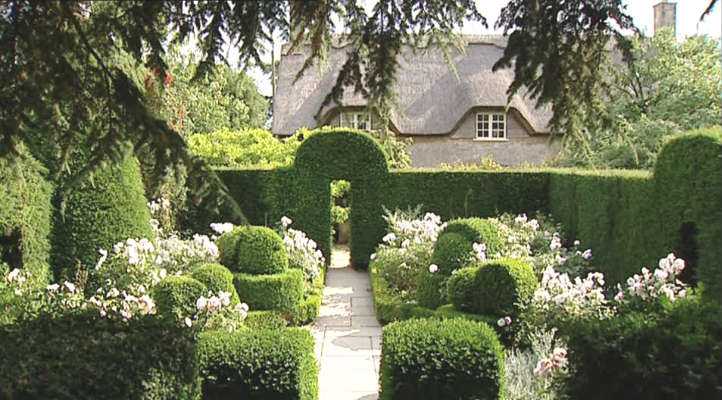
(349, 155)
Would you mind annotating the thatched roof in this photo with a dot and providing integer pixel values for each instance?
(431, 98)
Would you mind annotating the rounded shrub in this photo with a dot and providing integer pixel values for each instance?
(493, 288)
(425, 359)
(451, 252)
(100, 211)
(477, 230)
(431, 289)
(217, 278)
(175, 296)
(280, 292)
(25, 216)
(253, 250)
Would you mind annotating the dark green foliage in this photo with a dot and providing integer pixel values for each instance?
(25, 216)
(496, 288)
(99, 213)
(216, 278)
(258, 364)
(279, 292)
(451, 252)
(253, 250)
(334, 154)
(477, 230)
(628, 218)
(264, 320)
(176, 296)
(673, 354)
(688, 177)
(86, 357)
(390, 307)
(441, 359)
(455, 194)
(431, 289)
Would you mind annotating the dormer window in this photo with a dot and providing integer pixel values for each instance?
(491, 126)
(356, 119)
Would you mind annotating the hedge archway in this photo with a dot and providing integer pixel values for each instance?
(350, 155)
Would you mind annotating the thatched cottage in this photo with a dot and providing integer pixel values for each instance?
(452, 117)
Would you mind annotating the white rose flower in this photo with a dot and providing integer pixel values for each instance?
(433, 268)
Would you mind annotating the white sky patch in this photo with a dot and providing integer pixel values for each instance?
(688, 24)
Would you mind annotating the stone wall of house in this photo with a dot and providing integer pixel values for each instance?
(461, 146)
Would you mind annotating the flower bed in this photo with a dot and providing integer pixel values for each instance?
(552, 310)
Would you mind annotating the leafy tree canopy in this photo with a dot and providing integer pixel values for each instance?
(226, 98)
(59, 73)
(671, 86)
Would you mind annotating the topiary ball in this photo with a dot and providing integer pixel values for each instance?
(217, 278)
(477, 230)
(451, 252)
(430, 359)
(254, 250)
(175, 296)
(494, 288)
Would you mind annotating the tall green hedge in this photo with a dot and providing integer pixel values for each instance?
(103, 209)
(25, 216)
(628, 218)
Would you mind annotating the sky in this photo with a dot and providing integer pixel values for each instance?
(688, 24)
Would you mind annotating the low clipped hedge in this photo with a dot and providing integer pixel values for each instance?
(176, 296)
(25, 216)
(280, 292)
(266, 364)
(100, 211)
(441, 359)
(389, 308)
(216, 278)
(83, 356)
(253, 250)
(667, 355)
(496, 288)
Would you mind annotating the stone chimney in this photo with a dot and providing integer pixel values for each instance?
(665, 16)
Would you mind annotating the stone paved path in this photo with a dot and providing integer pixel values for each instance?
(348, 336)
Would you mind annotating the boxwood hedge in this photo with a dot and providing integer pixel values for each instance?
(280, 292)
(216, 278)
(496, 288)
(441, 359)
(267, 364)
(84, 356)
(176, 296)
(253, 250)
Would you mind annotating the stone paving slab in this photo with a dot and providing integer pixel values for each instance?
(347, 334)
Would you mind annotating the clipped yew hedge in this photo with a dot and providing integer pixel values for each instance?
(103, 209)
(25, 216)
(629, 218)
